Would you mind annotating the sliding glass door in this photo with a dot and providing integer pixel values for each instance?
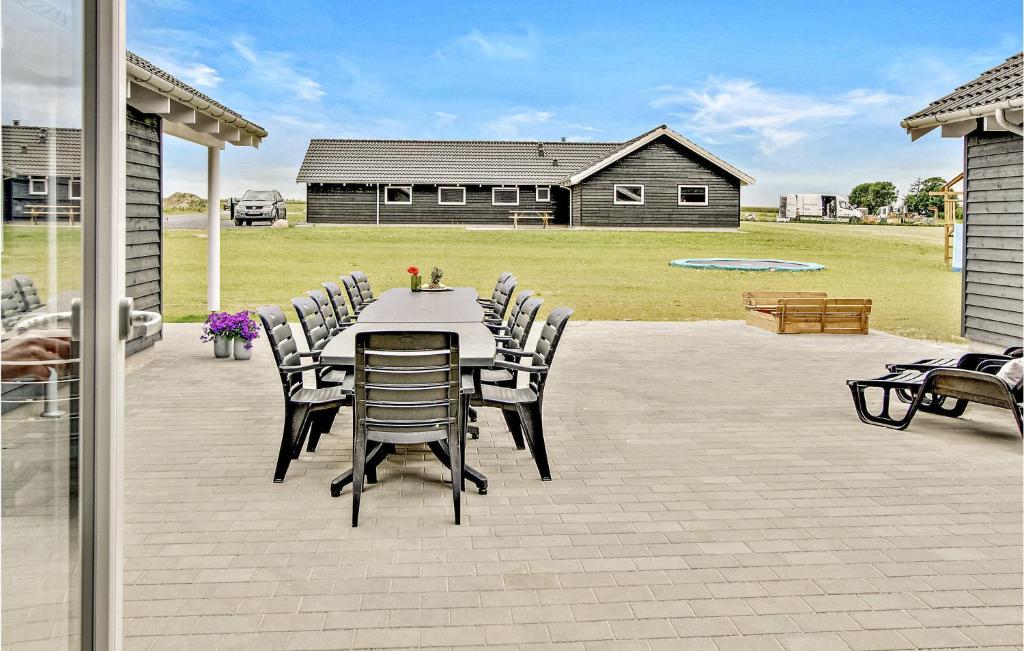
(62, 105)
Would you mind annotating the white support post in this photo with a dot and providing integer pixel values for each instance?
(213, 228)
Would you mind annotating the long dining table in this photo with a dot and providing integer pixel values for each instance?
(402, 310)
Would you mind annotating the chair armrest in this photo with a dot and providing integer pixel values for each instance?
(315, 354)
(300, 368)
(513, 352)
(513, 366)
(502, 338)
(467, 385)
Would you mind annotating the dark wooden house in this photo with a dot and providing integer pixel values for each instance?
(42, 171)
(659, 179)
(987, 114)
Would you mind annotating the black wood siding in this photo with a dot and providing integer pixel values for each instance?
(332, 203)
(144, 251)
(994, 227)
(660, 167)
(17, 198)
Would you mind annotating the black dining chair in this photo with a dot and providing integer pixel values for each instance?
(354, 296)
(502, 277)
(500, 300)
(501, 329)
(408, 389)
(317, 334)
(526, 404)
(337, 299)
(363, 285)
(308, 412)
(334, 326)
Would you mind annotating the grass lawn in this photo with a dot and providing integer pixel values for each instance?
(602, 274)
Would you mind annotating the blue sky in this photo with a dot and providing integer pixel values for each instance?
(805, 96)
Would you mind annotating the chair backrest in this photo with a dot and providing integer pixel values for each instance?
(363, 284)
(502, 297)
(12, 302)
(407, 385)
(544, 353)
(519, 329)
(286, 352)
(337, 299)
(326, 311)
(312, 322)
(352, 289)
(28, 292)
(518, 305)
(503, 276)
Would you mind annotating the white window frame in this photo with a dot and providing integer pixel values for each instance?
(71, 188)
(494, 202)
(451, 203)
(545, 188)
(397, 203)
(679, 195)
(32, 180)
(615, 192)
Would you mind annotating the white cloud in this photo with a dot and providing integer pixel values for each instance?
(200, 75)
(442, 119)
(275, 69)
(491, 45)
(723, 110)
(523, 124)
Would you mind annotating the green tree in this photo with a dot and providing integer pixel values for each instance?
(873, 196)
(919, 200)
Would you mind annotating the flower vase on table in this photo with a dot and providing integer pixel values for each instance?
(415, 280)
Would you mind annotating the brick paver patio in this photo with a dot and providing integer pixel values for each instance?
(713, 489)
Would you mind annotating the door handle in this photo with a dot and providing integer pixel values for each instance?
(53, 320)
(131, 321)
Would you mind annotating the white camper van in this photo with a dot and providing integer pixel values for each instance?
(817, 207)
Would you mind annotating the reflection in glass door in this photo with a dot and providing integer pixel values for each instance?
(41, 275)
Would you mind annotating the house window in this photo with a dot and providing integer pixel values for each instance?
(38, 185)
(451, 196)
(543, 194)
(693, 195)
(398, 194)
(504, 196)
(74, 188)
(628, 195)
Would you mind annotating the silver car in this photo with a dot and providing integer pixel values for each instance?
(260, 205)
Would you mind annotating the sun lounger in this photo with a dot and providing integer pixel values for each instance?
(930, 390)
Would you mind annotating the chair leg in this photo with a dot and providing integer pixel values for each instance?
(533, 422)
(455, 450)
(515, 427)
(358, 472)
(294, 420)
(883, 418)
(322, 424)
(1017, 417)
(935, 406)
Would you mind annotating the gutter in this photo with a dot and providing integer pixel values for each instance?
(1006, 124)
(164, 87)
(962, 114)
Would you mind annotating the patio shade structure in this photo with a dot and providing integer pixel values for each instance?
(188, 114)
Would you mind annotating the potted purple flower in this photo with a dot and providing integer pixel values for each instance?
(231, 330)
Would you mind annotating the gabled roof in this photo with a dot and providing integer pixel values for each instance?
(1002, 87)
(484, 162)
(487, 162)
(652, 135)
(29, 151)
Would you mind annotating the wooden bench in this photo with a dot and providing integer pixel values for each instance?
(37, 211)
(516, 215)
(807, 312)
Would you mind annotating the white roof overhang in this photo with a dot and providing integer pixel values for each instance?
(956, 124)
(186, 115)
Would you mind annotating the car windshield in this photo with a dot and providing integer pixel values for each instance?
(256, 195)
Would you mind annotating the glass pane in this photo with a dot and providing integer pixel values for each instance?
(629, 194)
(692, 194)
(40, 273)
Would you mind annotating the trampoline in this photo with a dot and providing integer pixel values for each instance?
(746, 264)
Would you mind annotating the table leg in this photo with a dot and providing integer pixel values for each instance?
(440, 450)
(374, 458)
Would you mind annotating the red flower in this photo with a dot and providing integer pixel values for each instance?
(413, 271)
